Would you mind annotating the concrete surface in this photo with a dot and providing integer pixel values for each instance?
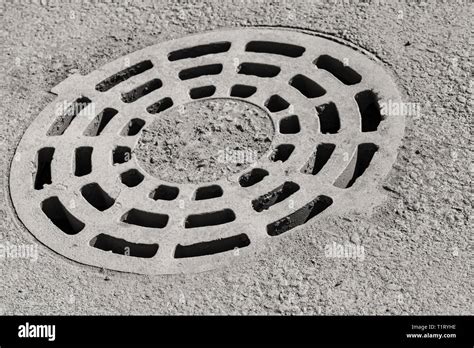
(187, 145)
(416, 245)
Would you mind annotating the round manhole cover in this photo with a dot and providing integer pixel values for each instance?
(188, 153)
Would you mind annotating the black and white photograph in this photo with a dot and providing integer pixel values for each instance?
(223, 166)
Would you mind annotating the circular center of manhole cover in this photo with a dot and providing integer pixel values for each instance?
(193, 153)
(204, 140)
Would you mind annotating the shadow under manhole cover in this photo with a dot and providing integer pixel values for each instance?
(184, 155)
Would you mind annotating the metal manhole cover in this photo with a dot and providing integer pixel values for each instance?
(104, 175)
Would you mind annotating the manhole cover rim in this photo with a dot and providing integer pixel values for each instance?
(389, 139)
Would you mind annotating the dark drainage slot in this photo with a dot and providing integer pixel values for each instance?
(133, 127)
(122, 247)
(300, 216)
(192, 73)
(210, 219)
(212, 247)
(208, 192)
(328, 115)
(97, 197)
(290, 125)
(141, 91)
(276, 103)
(275, 196)
(145, 218)
(282, 152)
(359, 163)
(258, 69)
(199, 51)
(165, 193)
(99, 122)
(283, 49)
(123, 75)
(342, 72)
(242, 91)
(202, 92)
(121, 154)
(131, 178)
(44, 158)
(160, 106)
(369, 110)
(253, 177)
(60, 216)
(318, 159)
(62, 122)
(307, 87)
(83, 161)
